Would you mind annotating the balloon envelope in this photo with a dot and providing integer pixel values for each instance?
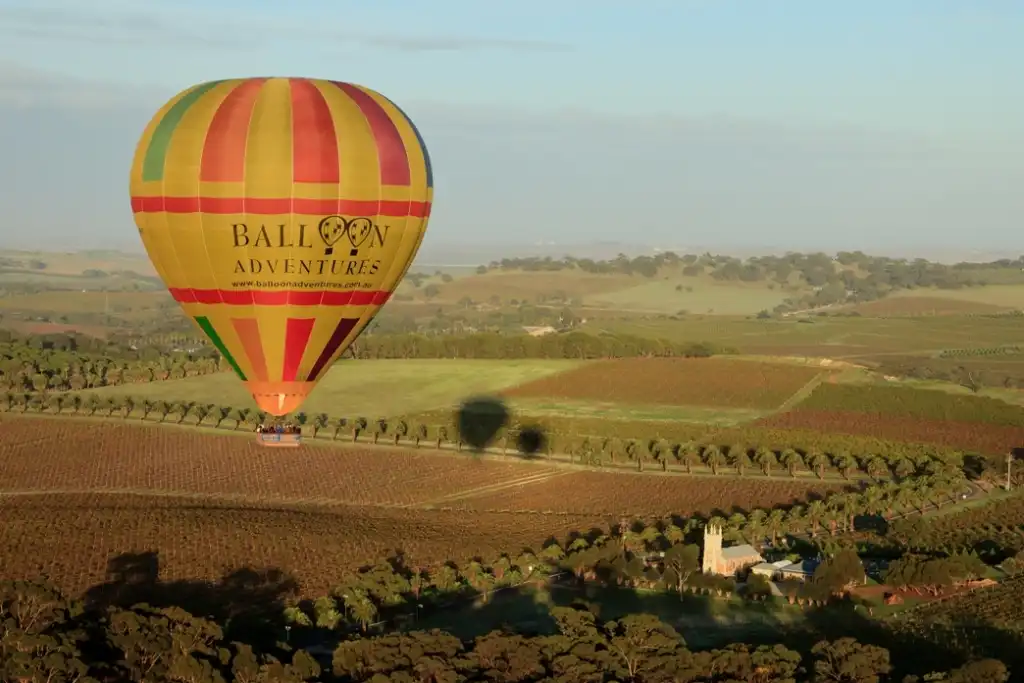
(281, 213)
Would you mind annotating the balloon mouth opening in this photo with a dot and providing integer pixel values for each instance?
(279, 398)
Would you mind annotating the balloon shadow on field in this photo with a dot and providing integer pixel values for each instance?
(481, 419)
(248, 603)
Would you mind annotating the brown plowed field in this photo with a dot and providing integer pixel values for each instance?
(980, 437)
(49, 454)
(71, 537)
(717, 382)
(75, 493)
(646, 495)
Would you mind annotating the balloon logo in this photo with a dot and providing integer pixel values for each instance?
(242, 191)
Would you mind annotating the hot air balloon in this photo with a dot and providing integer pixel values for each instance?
(281, 213)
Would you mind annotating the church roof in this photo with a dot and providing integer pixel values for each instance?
(740, 552)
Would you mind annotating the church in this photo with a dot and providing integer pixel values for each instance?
(726, 561)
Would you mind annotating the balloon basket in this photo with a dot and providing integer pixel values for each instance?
(279, 440)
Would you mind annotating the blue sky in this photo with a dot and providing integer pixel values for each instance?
(907, 112)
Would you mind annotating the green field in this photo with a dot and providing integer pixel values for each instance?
(369, 388)
(696, 296)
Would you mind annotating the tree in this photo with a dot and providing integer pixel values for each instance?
(738, 458)
(713, 458)
(680, 562)
(791, 460)
(847, 661)
(421, 433)
(401, 431)
(765, 457)
(840, 573)
(320, 421)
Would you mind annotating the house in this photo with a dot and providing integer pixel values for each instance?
(726, 561)
(782, 570)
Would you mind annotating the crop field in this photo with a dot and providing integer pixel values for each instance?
(72, 455)
(998, 606)
(914, 306)
(207, 504)
(370, 388)
(833, 337)
(903, 401)
(971, 436)
(645, 495)
(1000, 522)
(70, 538)
(674, 381)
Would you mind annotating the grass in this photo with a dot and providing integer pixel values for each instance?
(73, 263)
(368, 388)
(697, 296)
(84, 301)
(527, 286)
(635, 413)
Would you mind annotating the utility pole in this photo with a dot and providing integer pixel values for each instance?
(1009, 466)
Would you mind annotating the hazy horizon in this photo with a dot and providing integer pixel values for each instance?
(884, 127)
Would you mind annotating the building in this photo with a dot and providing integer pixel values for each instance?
(540, 331)
(726, 561)
(782, 570)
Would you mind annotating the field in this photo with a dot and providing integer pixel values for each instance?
(978, 437)
(999, 523)
(369, 388)
(531, 286)
(914, 306)
(694, 295)
(207, 503)
(123, 304)
(996, 606)
(838, 337)
(906, 401)
(675, 381)
(1007, 296)
(632, 494)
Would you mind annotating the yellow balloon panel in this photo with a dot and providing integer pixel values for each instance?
(281, 213)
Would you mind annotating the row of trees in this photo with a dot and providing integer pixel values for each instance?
(689, 457)
(24, 370)
(47, 637)
(870, 276)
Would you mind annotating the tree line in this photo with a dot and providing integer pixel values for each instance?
(48, 637)
(845, 275)
(25, 368)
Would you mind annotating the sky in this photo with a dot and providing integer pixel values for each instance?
(874, 124)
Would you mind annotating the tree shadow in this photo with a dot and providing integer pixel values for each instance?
(248, 603)
(479, 419)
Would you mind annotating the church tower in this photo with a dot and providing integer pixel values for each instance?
(712, 549)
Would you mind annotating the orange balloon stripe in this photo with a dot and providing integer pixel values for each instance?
(223, 157)
(248, 331)
(296, 339)
(279, 206)
(391, 152)
(340, 334)
(314, 140)
(280, 297)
